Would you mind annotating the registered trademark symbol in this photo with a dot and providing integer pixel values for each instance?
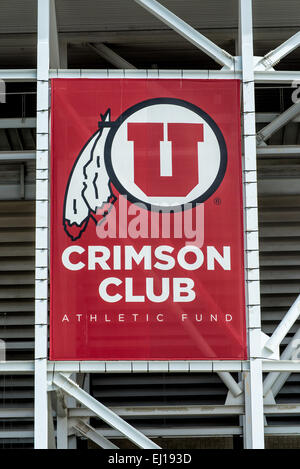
(217, 201)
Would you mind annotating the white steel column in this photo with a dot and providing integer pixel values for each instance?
(41, 260)
(253, 421)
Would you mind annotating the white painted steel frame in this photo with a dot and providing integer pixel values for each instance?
(41, 260)
(48, 51)
(253, 421)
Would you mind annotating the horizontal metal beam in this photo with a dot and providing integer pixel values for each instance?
(185, 432)
(27, 367)
(174, 432)
(16, 413)
(265, 117)
(186, 411)
(293, 366)
(18, 74)
(30, 122)
(159, 411)
(276, 151)
(283, 77)
(17, 367)
(145, 73)
(148, 366)
(179, 431)
(277, 77)
(18, 123)
(11, 156)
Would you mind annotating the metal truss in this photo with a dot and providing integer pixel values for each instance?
(247, 398)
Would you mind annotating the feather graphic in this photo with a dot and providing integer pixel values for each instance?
(88, 191)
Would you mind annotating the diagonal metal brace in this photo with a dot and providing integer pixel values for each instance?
(188, 32)
(72, 389)
(89, 432)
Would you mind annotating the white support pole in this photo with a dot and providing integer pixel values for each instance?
(73, 390)
(41, 260)
(110, 56)
(273, 379)
(274, 56)
(284, 326)
(61, 421)
(62, 432)
(51, 433)
(278, 123)
(253, 422)
(192, 35)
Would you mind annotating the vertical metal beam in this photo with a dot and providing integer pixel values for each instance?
(253, 421)
(72, 442)
(61, 421)
(51, 433)
(41, 258)
(54, 42)
(62, 432)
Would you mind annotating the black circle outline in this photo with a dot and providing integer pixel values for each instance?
(179, 102)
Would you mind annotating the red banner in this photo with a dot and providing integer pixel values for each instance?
(146, 220)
